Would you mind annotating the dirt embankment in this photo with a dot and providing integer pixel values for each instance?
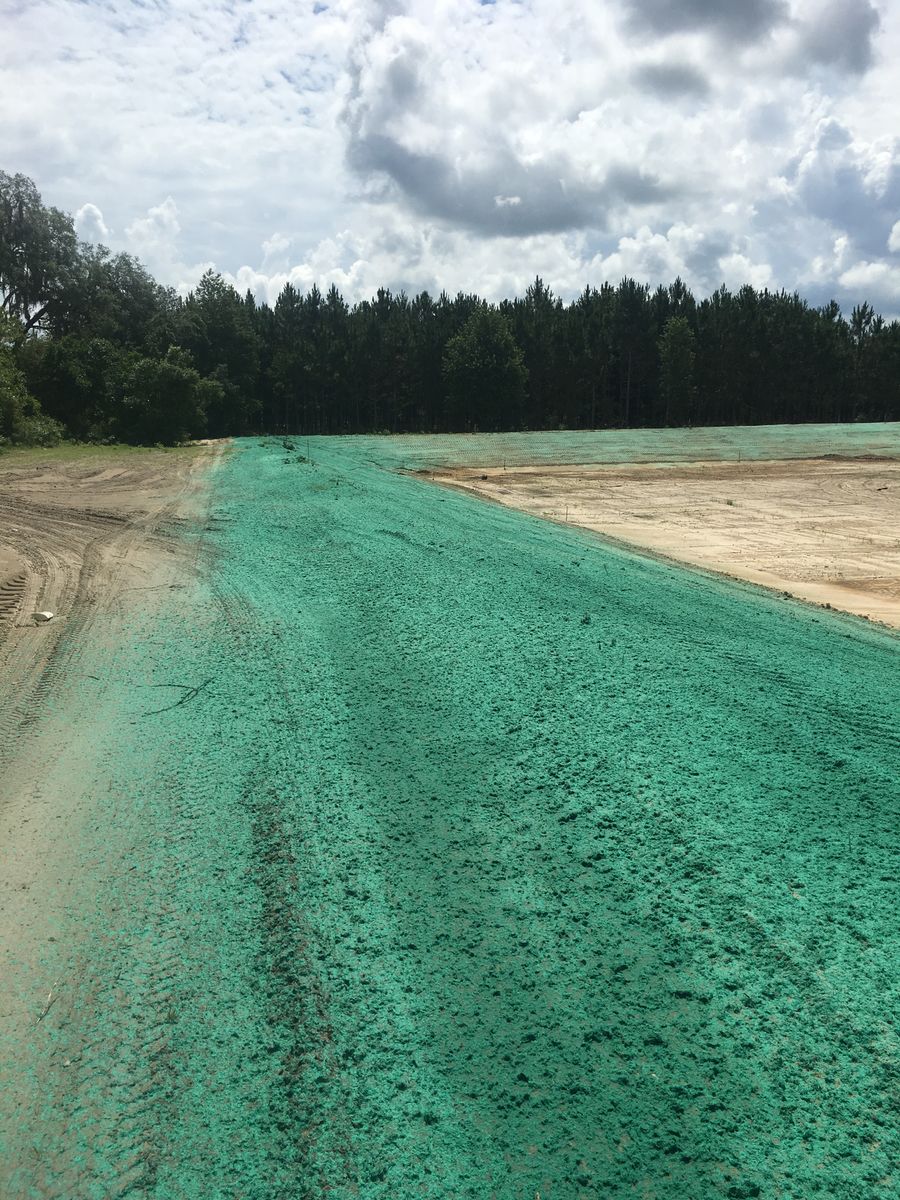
(824, 530)
(76, 530)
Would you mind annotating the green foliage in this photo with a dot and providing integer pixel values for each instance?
(676, 369)
(98, 346)
(164, 400)
(22, 422)
(109, 296)
(220, 336)
(38, 252)
(79, 380)
(484, 372)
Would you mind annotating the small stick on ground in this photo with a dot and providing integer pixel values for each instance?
(48, 1003)
(189, 694)
(156, 587)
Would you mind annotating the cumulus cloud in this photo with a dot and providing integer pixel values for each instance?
(413, 256)
(90, 224)
(851, 184)
(868, 275)
(734, 19)
(547, 196)
(467, 195)
(276, 246)
(405, 254)
(840, 34)
(155, 239)
(423, 126)
(155, 235)
(705, 259)
(159, 226)
(737, 269)
(878, 282)
(460, 145)
(671, 79)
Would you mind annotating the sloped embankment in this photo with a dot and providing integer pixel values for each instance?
(481, 859)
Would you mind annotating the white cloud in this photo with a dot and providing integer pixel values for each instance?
(874, 281)
(441, 144)
(155, 239)
(737, 269)
(90, 225)
(275, 247)
(159, 229)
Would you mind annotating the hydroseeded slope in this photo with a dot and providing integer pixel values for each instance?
(488, 861)
(731, 443)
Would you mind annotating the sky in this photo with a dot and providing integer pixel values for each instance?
(469, 146)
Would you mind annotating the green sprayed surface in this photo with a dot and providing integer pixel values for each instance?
(489, 861)
(756, 443)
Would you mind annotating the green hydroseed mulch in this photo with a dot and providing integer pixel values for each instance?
(702, 444)
(489, 860)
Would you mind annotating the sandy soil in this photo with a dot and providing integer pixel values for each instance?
(822, 530)
(81, 535)
(75, 532)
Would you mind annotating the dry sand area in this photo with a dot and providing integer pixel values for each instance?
(824, 530)
(77, 528)
(84, 534)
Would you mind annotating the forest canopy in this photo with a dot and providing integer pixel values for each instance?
(93, 348)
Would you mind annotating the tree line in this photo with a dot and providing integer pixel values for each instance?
(93, 348)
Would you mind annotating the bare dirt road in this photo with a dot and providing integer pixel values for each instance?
(92, 536)
(824, 530)
(77, 529)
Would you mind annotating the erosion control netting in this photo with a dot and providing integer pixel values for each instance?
(492, 861)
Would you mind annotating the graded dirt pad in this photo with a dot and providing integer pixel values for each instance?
(824, 530)
(435, 850)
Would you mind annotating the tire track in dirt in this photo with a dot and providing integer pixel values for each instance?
(12, 593)
(77, 558)
(152, 1004)
(292, 995)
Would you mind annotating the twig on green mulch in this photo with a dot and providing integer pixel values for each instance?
(189, 694)
(48, 1003)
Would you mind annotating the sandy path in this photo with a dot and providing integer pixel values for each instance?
(86, 537)
(822, 530)
(75, 534)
